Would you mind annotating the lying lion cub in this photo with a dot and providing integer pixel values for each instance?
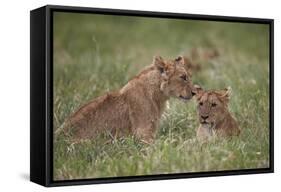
(214, 117)
(137, 107)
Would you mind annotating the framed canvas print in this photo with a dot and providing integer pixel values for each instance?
(123, 95)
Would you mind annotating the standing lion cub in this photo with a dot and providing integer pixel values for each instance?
(214, 116)
(137, 107)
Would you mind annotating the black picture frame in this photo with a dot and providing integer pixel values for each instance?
(41, 100)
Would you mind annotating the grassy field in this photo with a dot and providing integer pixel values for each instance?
(94, 54)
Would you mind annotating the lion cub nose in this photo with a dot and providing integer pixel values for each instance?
(204, 117)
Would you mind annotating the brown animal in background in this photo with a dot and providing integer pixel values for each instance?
(214, 116)
(204, 54)
(137, 107)
(198, 56)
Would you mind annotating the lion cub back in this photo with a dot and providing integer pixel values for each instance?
(108, 112)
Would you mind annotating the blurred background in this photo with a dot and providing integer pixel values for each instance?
(94, 54)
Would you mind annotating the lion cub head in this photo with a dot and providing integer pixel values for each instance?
(175, 78)
(212, 105)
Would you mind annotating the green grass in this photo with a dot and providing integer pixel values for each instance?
(94, 54)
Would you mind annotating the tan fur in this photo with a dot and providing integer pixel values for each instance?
(137, 107)
(204, 54)
(198, 56)
(214, 116)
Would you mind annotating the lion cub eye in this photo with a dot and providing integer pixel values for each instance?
(214, 104)
(201, 103)
(184, 77)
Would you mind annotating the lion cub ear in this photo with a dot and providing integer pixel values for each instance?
(180, 59)
(197, 91)
(185, 62)
(226, 93)
(159, 63)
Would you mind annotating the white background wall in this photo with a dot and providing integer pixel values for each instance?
(14, 94)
